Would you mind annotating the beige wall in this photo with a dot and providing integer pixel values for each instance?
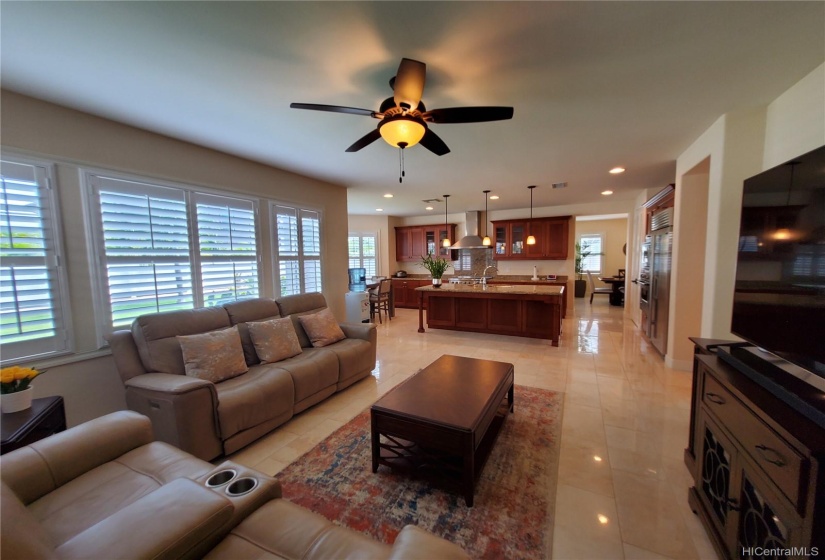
(737, 146)
(76, 140)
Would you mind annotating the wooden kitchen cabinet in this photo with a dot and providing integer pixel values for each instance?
(552, 238)
(414, 242)
(404, 291)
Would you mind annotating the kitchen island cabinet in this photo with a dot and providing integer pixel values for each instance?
(525, 310)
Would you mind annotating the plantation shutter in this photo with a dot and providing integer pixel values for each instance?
(592, 262)
(362, 249)
(145, 237)
(298, 241)
(227, 248)
(32, 315)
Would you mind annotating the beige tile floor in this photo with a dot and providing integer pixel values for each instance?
(622, 486)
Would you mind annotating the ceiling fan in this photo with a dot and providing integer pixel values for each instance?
(404, 119)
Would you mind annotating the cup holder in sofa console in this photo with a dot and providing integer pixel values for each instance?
(221, 477)
(241, 486)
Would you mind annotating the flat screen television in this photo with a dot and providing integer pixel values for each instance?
(779, 299)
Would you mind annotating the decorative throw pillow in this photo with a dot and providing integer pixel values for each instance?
(274, 340)
(322, 328)
(214, 356)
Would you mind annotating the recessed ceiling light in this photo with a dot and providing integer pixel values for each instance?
(597, 458)
(388, 195)
(379, 209)
(429, 208)
(617, 170)
(607, 193)
(494, 197)
(603, 519)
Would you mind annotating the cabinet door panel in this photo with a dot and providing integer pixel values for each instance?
(538, 229)
(517, 238)
(418, 243)
(501, 240)
(717, 469)
(556, 239)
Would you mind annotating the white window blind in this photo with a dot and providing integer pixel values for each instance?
(298, 243)
(363, 252)
(165, 248)
(33, 309)
(228, 248)
(592, 262)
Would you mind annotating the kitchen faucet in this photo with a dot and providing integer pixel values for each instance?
(484, 275)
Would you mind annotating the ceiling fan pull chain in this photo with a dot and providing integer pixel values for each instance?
(401, 145)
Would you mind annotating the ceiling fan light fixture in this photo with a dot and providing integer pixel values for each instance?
(402, 129)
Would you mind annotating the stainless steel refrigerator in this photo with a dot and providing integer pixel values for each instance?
(661, 245)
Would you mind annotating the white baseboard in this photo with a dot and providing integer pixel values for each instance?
(681, 365)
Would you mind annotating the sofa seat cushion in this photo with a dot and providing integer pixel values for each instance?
(102, 491)
(312, 371)
(282, 530)
(354, 357)
(262, 393)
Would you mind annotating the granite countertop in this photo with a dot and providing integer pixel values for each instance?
(495, 289)
(498, 278)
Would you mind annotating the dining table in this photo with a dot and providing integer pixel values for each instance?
(617, 285)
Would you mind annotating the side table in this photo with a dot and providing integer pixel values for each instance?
(45, 417)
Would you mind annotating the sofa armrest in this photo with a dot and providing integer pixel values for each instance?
(364, 331)
(413, 542)
(126, 355)
(37, 469)
(165, 524)
(183, 410)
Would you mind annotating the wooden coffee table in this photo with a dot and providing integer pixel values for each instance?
(444, 418)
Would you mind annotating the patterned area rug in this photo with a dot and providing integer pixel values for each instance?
(514, 499)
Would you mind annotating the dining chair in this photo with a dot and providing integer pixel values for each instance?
(380, 300)
(594, 290)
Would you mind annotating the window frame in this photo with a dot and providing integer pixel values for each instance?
(62, 343)
(600, 256)
(300, 258)
(361, 235)
(96, 243)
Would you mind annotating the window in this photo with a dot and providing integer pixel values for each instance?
(592, 262)
(166, 248)
(298, 249)
(363, 252)
(33, 302)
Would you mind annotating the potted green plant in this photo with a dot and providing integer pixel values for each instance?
(436, 266)
(582, 252)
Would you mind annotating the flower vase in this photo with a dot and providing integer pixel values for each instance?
(436, 282)
(15, 402)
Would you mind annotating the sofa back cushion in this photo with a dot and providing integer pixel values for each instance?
(274, 340)
(246, 310)
(155, 335)
(213, 356)
(301, 304)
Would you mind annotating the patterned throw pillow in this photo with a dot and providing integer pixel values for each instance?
(322, 328)
(214, 356)
(274, 340)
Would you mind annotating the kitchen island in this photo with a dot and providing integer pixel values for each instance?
(517, 310)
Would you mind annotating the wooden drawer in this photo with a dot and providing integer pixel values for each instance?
(780, 461)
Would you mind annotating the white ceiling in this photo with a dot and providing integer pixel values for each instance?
(593, 84)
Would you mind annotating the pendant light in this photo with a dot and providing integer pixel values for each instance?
(530, 239)
(486, 241)
(446, 242)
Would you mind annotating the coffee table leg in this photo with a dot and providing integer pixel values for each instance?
(469, 474)
(510, 398)
(376, 440)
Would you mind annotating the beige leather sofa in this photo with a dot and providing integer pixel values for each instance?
(209, 419)
(104, 489)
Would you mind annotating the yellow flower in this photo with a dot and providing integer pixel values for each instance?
(17, 373)
(24, 373)
(7, 376)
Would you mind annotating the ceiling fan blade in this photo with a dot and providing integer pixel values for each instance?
(455, 115)
(432, 142)
(364, 141)
(335, 109)
(409, 82)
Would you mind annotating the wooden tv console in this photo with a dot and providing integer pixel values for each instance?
(758, 465)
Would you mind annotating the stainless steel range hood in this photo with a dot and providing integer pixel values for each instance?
(471, 239)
